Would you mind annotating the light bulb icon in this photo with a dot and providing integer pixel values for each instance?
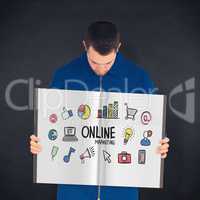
(128, 133)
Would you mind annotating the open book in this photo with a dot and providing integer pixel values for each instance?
(99, 138)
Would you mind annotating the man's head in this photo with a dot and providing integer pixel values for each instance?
(101, 42)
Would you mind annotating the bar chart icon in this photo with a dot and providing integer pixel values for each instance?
(110, 111)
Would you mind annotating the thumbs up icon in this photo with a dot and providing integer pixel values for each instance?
(66, 114)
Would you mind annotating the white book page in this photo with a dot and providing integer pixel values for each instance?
(138, 172)
(115, 138)
(73, 170)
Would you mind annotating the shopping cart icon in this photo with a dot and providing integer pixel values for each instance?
(130, 112)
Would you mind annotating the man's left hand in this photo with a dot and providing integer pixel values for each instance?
(164, 147)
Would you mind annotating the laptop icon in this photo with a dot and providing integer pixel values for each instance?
(70, 134)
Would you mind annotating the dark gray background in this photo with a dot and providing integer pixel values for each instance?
(38, 37)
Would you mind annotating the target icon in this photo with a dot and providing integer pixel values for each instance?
(53, 118)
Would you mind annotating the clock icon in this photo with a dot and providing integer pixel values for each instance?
(52, 134)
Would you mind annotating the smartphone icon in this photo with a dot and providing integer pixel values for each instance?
(141, 156)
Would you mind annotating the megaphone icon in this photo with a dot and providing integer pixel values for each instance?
(88, 153)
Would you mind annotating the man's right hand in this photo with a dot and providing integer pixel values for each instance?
(35, 147)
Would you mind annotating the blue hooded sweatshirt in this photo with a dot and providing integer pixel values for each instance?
(124, 76)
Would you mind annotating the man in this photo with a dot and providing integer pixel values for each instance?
(101, 66)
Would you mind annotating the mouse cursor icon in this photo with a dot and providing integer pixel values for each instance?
(106, 156)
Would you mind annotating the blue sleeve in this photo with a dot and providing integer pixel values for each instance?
(149, 85)
(58, 80)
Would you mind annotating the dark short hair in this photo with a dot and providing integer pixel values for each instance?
(103, 36)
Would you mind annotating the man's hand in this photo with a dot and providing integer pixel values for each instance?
(164, 147)
(35, 147)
